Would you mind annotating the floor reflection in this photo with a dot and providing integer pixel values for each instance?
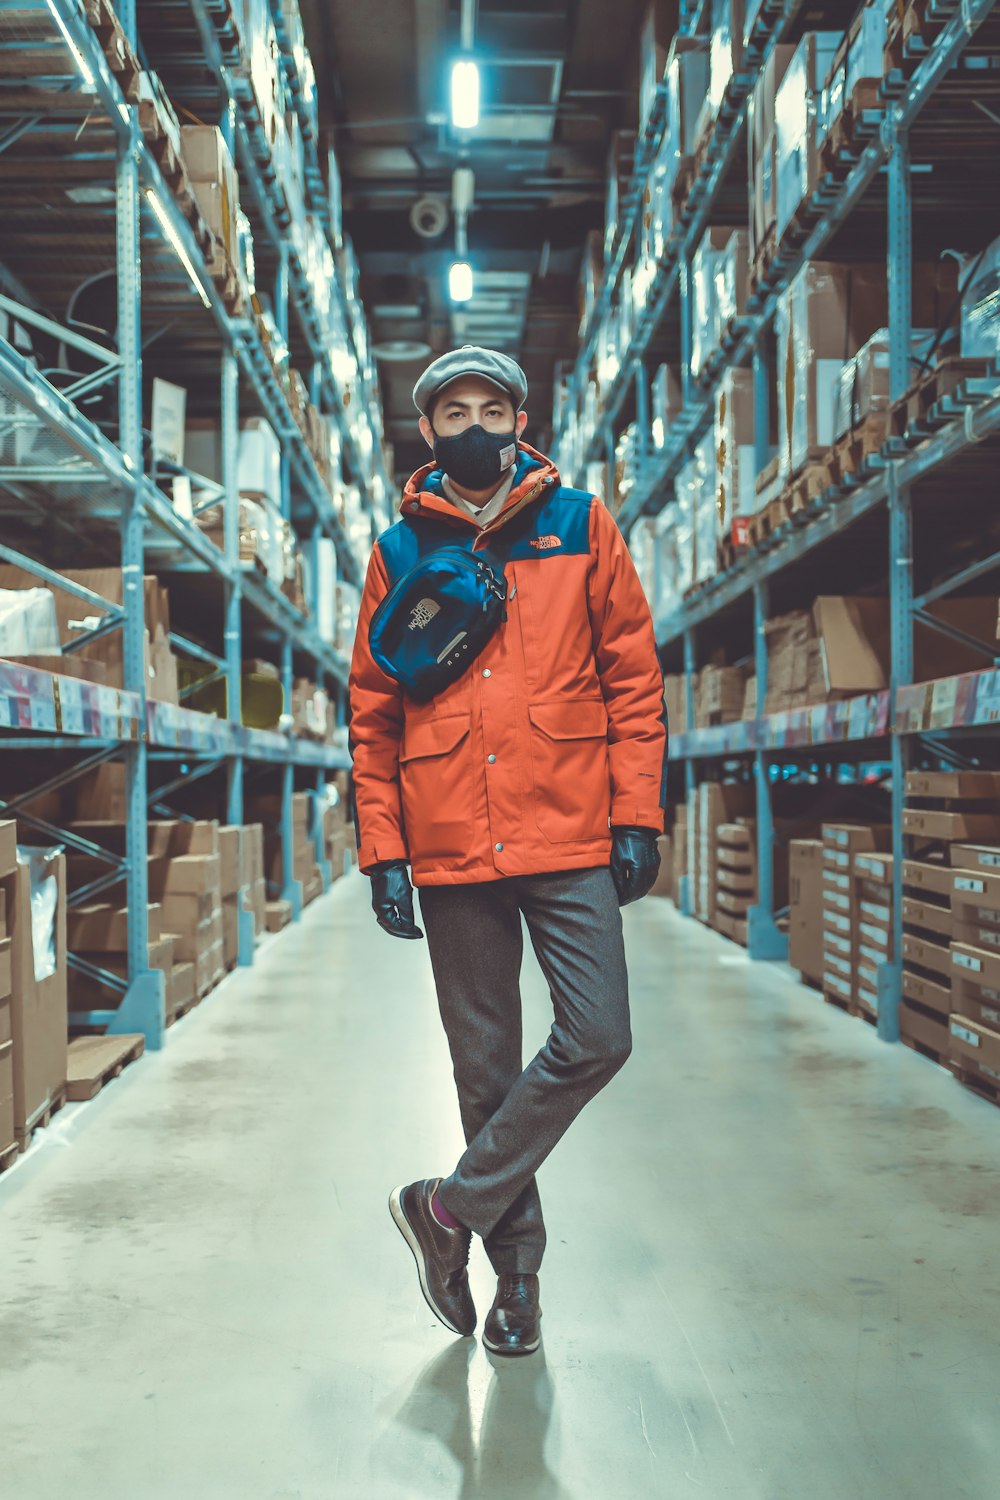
(493, 1417)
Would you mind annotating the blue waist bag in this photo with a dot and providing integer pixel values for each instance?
(437, 618)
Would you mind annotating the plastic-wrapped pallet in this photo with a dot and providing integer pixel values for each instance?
(705, 524)
(668, 570)
(28, 623)
(726, 52)
(855, 76)
(798, 123)
(735, 468)
(686, 488)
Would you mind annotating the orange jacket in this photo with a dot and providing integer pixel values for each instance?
(555, 733)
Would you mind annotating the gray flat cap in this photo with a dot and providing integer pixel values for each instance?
(471, 360)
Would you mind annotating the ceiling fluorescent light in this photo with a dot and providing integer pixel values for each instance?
(465, 94)
(178, 245)
(78, 58)
(460, 281)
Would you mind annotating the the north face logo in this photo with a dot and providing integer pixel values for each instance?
(422, 614)
(543, 543)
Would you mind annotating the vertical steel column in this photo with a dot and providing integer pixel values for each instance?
(233, 593)
(685, 893)
(143, 1007)
(291, 889)
(764, 939)
(900, 261)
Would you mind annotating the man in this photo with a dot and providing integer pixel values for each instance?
(533, 785)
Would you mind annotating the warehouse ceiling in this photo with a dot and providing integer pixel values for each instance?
(557, 77)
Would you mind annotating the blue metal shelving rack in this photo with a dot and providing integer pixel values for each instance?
(104, 480)
(889, 726)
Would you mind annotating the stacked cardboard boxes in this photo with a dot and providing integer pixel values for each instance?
(975, 1023)
(873, 914)
(266, 809)
(33, 968)
(99, 934)
(712, 804)
(736, 878)
(949, 816)
(806, 887)
(842, 842)
(8, 860)
(185, 877)
(925, 1006)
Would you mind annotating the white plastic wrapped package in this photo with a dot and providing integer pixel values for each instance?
(667, 600)
(981, 306)
(686, 490)
(666, 400)
(642, 545)
(259, 460)
(798, 108)
(44, 905)
(735, 469)
(705, 527)
(28, 623)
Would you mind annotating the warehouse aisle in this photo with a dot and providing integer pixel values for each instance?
(772, 1266)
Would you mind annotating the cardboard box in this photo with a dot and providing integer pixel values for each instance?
(927, 916)
(798, 123)
(658, 30)
(39, 1005)
(180, 988)
(173, 839)
(188, 874)
(951, 827)
(928, 992)
(977, 1001)
(972, 891)
(981, 857)
(924, 1028)
(104, 928)
(975, 1048)
(964, 786)
(230, 859)
(231, 906)
(805, 925)
(926, 954)
(977, 964)
(279, 914)
(977, 934)
(8, 855)
(930, 879)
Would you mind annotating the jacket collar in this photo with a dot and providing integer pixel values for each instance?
(423, 495)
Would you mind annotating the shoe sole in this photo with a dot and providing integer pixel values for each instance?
(403, 1225)
(504, 1351)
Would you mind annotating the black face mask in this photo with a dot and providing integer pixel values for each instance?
(476, 459)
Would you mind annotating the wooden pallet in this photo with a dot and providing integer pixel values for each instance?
(851, 132)
(976, 1085)
(765, 525)
(42, 1119)
(92, 1061)
(8, 1156)
(832, 998)
(863, 1013)
(935, 400)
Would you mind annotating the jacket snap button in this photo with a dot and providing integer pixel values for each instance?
(499, 848)
(492, 760)
(487, 672)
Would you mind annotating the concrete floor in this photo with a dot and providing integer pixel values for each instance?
(772, 1269)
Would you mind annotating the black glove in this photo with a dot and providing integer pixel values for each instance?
(635, 862)
(392, 899)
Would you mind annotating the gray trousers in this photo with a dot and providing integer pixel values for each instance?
(512, 1118)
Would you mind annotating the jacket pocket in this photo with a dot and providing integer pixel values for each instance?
(436, 782)
(569, 760)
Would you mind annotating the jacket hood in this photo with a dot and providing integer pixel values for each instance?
(424, 494)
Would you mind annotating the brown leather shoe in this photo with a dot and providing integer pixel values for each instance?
(442, 1255)
(512, 1325)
